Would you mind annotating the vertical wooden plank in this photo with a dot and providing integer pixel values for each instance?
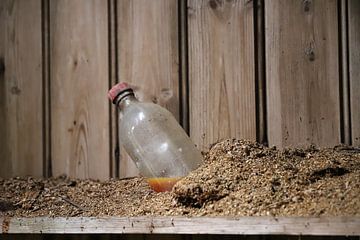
(354, 70)
(221, 70)
(79, 83)
(148, 55)
(302, 72)
(21, 147)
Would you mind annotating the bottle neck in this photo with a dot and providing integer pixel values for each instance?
(126, 99)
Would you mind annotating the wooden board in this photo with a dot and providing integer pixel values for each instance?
(354, 70)
(221, 70)
(302, 72)
(79, 85)
(149, 56)
(21, 88)
(324, 226)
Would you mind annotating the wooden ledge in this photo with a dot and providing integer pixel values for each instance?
(325, 226)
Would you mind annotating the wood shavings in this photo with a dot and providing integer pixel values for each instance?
(238, 178)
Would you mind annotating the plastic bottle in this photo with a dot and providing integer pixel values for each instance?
(155, 141)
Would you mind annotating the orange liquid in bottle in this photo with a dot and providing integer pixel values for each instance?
(162, 184)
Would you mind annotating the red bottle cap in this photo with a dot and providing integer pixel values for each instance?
(117, 89)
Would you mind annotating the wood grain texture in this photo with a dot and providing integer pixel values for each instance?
(221, 71)
(323, 226)
(79, 85)
(354, 68)
(302, 72)
(149, 56)
(21, 146)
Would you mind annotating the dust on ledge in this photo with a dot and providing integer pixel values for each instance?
(237, 178)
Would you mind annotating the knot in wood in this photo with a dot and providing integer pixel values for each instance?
(307, 5)
(2, 66)
(310, 53)
(15, 90)
(213, 4)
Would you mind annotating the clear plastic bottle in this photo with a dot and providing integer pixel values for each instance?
(155, 141)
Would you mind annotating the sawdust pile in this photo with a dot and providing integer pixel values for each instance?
(238, 178)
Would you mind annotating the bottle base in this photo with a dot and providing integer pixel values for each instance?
(163, 184)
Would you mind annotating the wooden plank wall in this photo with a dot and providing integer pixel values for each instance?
(21, 88)
(221, 71)
(302, 72)
(78, 83)
(210, 62)
(354, 69)
(149, 56)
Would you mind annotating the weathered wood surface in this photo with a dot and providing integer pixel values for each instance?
(325, 226)
(149, 56)
(221, 70)
(93, 44)
(79, 85)
(354, 68)
(302, 72)
(21, 88)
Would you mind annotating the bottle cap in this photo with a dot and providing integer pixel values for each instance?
(117, 89)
